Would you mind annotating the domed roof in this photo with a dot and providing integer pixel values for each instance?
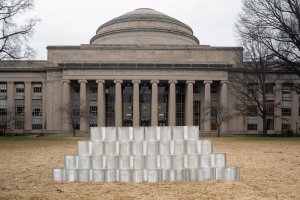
(144, 26)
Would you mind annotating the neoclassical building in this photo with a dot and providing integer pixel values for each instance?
(142, 68)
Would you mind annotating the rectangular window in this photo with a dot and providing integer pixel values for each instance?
(180, 102)
(3, 109)
(252, 123)
(286, 126)
(197, 113)
(93, 108)
(269, 88)
(286, 109)
(19, 107)
(37, 87)
(270, 107)
(19, 124)
(3, 87)
(286, 88)
(19, 87)
(93, 122)
(37, 126)
(37, 123)
(37, 107)
(270, 124)
(252, 110)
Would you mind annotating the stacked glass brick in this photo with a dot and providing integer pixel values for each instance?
(145, 154)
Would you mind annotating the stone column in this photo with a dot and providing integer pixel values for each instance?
(207, 105)
(172, 103)
(154, 103)
(49, 119)
(101, 103)
(66, 104)
(10, 95)
(10, 103)
(28, 109)
(295, 110)
(224, 104)
(118, 103)
(83, 105)
(189, 100)
(44, 101)
(136, 102)
(277, 109)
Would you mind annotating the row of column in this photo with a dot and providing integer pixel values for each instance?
(154, 103)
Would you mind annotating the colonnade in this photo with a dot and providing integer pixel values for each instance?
(154, 102)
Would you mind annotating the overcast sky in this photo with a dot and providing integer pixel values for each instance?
(74, 22)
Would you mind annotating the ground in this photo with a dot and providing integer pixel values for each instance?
(270, 169)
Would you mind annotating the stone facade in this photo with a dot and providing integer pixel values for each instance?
(143, 68)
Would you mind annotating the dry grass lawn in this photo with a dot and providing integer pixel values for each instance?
(270, 169)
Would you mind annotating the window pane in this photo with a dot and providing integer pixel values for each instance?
(19, 87)
(37, 87)
(270, 88)
(270, 124)
(3, 87)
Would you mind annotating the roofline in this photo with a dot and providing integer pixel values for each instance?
(144, 47)
(166, 19)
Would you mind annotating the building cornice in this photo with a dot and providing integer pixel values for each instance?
(141, 66)
(145, 47)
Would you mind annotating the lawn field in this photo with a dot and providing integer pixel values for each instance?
(270, 169)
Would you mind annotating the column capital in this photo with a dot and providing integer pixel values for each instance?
(172, 81)
(136, 81)
(207, 82)
(154, 81)
(190, 81)
(65, 81)
(100, 81)
(82, 81)
(224, 82)
(118, 81)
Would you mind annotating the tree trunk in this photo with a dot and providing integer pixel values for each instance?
(74, 131)
(264, 124)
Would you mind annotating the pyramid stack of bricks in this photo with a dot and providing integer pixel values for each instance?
(145, 154)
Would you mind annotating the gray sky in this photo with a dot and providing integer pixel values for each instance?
(74, 22)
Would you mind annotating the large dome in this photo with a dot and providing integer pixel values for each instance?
(145, 26)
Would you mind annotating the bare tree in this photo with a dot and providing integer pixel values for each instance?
(252, 81)
(7, 117)
(73, 114)
(13, 37)
(275, 24)
(217, 115)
